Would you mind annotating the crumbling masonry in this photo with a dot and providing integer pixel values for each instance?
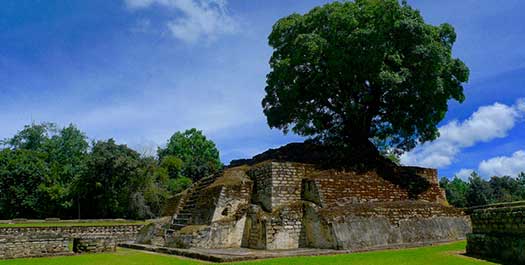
(284, 205)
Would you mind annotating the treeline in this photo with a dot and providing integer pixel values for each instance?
(46, 171)
(478, 191)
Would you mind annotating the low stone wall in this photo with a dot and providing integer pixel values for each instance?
(94, 245)
(17, 242)
(498, 232)
(32, 245)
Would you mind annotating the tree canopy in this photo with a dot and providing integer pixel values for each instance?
(478, 191)
(52, 171)
(199, 155)
(354, 72)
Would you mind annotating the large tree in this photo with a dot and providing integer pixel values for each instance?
(106, 186)
(479, 191)
(22, 176)
(353, 73)
(198, 154)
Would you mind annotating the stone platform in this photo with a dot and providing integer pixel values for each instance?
(245, 254)
(498, 232)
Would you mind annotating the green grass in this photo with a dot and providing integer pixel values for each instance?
(447, 254)
(53, 224)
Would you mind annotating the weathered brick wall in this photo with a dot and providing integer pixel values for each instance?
(233, 201)
(94, 245)
(32, 245)
(280, 229)
(382, 224)
(498, 232)
(174, 205)
(18, 242)
(280, 188)
(262, 184)
(344, 187)
(286, 182)
(369, 209)
(506, 220)
(277, 189)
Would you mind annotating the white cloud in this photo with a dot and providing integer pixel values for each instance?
(504, 165)
(196, 19)
(484, 125)
(139, 3)
(464, 173)
(521, 105)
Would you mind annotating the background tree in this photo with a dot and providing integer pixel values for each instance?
(105, 187)
(67, 154)
(199, 155)
(22, 175)
(505, 189)
(455, 191)
(172, 167)
(33, 137)
(348, 72)
(479, 191)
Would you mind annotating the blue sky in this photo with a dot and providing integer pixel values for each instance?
(139, 70)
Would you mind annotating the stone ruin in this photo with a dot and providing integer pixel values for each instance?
(271, 204)
(498, 232)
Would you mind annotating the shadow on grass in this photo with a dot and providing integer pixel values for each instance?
(493, 260)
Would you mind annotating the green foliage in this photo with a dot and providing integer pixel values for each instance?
(480, 192)
(455, 191)
(22, 173)
(67, 153)
(347, 72)
(179, 184)
(47, 171)
(505, 189)
(105, 187)
(199, 155)
(173, 166)
(33, 137)
(63, 154)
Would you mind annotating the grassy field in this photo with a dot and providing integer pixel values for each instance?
(50, 224)
(437, 255)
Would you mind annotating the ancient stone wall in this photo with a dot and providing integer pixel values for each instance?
(220, 215)
(174, 205)
(498, 232)
(94, 245)
(261, 174)
(18, 242)
(286, 182)
(284, 205)
(32, 245)
(276, 224)
(347, 187)
(383, 224)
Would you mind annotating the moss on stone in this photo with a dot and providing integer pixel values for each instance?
(232, 177)
(190, 229)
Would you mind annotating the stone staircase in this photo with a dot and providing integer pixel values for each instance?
(185, 216)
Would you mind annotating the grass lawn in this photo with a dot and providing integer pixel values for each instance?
(436, 255)
(50, 224)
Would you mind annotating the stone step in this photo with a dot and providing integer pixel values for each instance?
(183, 215)
(190, 201)
(181, 220)
(180, 224)
(189, 206)
(177, 226)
